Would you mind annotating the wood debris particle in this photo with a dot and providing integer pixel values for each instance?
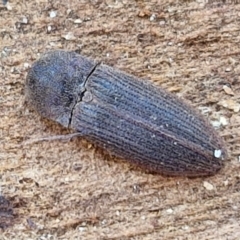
(208, 186)
(53, 14)
(69, 36)
(230, 104)
(78, 21)
(228, 90)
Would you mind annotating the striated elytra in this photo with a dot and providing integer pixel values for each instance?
(125, 115)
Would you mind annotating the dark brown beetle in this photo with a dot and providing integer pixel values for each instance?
(125, 115)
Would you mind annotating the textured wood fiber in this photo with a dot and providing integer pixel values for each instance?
(71, 190)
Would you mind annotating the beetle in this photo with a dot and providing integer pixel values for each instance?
(130, 117)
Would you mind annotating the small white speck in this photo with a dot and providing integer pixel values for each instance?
(169, 211)
(205, 110)
(26, 65)
(25, 20)
(235, 207)
(228, 70)
(66, 179)
(225, 183)
(185, 227)
(217, 153)
(78, 21)
(239, 158)
(104, 222)
(208, 185)
(53, 14)
(216, 124)
(8, 6)
(162, 23)
(153, 117)
(143, 217)
(69, 36)
(117, 213)
(223, 121)
(153, 17)
(81, 229)
(49, 28)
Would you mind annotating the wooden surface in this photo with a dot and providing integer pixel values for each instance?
(73, 190)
